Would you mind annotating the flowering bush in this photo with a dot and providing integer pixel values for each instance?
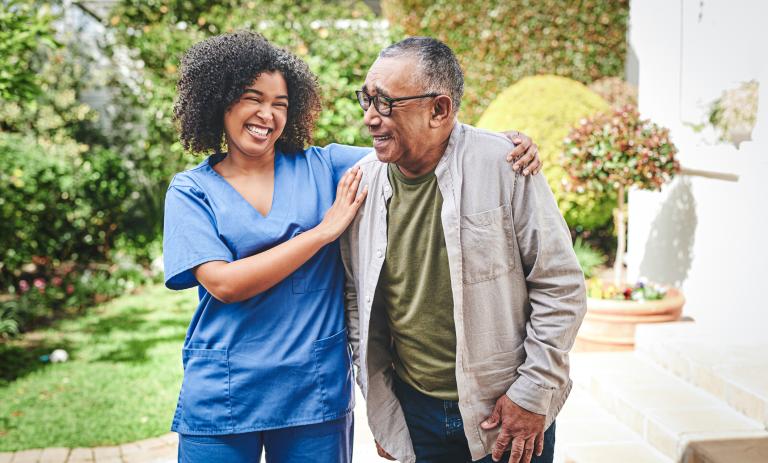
(641, 291)
(616, 151)
(39, 297)
(545, 108)
(734, 114)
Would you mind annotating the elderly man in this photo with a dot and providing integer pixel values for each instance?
(463, 292)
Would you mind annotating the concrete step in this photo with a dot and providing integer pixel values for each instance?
(586, 433)
(732, 366)
(665, 411)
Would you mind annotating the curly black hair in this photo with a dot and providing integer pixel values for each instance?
(213, 76)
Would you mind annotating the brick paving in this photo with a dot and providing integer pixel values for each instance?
(155, 450)
(164, 449)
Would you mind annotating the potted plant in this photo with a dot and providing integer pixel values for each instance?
(618, 150)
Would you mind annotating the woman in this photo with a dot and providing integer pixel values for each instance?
(266, 362)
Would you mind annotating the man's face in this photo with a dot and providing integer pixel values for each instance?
(403, 135)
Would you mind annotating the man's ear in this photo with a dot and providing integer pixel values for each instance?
(442, 111)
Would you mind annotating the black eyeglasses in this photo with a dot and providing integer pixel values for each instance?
(383, 104)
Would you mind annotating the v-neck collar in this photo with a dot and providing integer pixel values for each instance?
(276, 186)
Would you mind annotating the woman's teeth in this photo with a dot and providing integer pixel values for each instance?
(258, 131)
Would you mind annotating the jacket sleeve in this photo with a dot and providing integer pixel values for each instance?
(556, 293)
(346, 242)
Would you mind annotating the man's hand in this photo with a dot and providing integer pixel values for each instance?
(383, 453)
(526, 152)
(523, 428)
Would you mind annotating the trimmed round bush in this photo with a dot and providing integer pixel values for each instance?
(546, 108)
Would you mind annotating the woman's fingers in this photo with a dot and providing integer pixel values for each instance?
(352, 192)
(341, 187)
(348, 185)
(361, 197)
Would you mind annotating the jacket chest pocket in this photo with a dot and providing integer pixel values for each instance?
(487, 244)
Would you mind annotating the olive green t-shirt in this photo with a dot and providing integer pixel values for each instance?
(415, 287)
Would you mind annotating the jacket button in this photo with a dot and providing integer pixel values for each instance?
(379, 254)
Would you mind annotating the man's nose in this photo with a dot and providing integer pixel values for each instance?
(371, 116)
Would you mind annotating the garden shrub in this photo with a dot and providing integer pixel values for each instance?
(501, 41)
(545, 108)
(24, 29)
(589, 257)
(61, 208)
(58, 204)
(616, 91)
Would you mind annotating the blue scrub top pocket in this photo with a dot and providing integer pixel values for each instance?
(313, 275)
(205, 402)
(333, 363)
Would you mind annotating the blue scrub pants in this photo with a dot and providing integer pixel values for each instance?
(329, 442)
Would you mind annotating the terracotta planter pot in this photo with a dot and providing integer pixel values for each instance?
(610, 324)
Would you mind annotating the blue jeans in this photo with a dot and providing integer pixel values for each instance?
(329, 442)
(437, 430)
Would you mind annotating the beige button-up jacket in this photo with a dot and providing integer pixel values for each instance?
(518, 290)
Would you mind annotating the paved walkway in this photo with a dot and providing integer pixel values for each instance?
(163, 449)
(156, 450)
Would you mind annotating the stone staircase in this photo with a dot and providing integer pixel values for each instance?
(686, 394)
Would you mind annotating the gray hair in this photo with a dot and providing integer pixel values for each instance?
(438, 69)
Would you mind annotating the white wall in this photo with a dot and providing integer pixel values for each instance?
(708, 236)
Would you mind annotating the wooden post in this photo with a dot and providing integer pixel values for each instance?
(621, 232)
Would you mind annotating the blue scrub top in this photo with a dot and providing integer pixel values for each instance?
(280, 358)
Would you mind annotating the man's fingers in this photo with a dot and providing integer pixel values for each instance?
(502, 442)
(527, 454)
(383, 453)
(518, 448)
(494, 419)
(539, 443)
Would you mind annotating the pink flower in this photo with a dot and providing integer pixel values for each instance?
(70, 289)
(56, 281)
(24, 286)
(39, 283)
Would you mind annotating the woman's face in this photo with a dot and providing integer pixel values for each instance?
(253, 124)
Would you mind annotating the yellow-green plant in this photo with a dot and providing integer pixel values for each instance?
(545, 108)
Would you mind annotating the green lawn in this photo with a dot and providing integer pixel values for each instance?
(120, 384)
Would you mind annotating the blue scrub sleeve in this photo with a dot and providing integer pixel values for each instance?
(343, 157)
(190, 236)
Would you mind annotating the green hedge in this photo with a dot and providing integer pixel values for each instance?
(338, 39)
(500, 41)
(58, 205)
(545, 108)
